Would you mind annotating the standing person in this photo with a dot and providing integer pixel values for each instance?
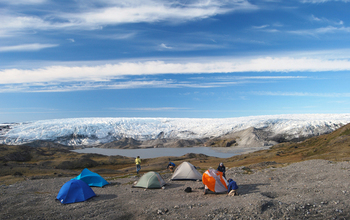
(138, 164)
(232, 188)
(222, 169)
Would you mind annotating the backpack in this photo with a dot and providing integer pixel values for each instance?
(188, 189)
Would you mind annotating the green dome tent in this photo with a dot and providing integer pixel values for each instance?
(150, 180)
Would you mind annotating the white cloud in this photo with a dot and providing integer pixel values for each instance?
(267, 28)
(331, 29)
(189, 46)
(328, 95)
(84, 86)
(118, 12)
(117, 36)
(322, 1)
(314, 18)
(323, 30)
(261, 27)
(13, 24)
(26, 47)
(136, 83)
(165, 46)
(150, 109)
(325, 20)
(143, 13)
(260, 77)
(23, 2)
(107, 72)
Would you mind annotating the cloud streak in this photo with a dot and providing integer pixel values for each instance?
(23, 2)
(144, 82)
(322, 30)
(325, 20)
(302, 94)
(323, 1)
(155, 11)
(107, 72)
(150, 109)
(90, 17)
(27, 47)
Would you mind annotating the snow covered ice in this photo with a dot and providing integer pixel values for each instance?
(94, 131)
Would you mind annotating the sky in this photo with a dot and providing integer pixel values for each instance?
(173, 58)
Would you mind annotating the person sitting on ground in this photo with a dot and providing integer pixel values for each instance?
(222, 169)
(171, 166)
(232, 188)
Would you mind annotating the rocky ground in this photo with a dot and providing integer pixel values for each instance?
(315, 189)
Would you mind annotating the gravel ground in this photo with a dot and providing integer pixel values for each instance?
(316, 189)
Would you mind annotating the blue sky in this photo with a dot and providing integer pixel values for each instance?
(164, 58)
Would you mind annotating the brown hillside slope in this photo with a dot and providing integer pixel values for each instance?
(334, 146)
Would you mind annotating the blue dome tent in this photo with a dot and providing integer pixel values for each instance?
(75, 191)
(91, 178)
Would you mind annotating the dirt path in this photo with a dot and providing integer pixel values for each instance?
(316, 189)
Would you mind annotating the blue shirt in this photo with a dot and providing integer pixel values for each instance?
(171, 164)
(232, 186)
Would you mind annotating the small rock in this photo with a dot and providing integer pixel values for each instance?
(162, 212)
(17, 174)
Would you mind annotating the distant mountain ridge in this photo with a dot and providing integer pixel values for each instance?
(257, 131)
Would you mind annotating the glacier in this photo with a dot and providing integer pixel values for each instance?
(95, 131)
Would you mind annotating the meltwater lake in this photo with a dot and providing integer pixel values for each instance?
(164, 152)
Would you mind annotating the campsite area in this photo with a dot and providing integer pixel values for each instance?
(305, 180)
(314, 189)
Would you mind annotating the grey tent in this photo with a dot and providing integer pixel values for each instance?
(150, 180)
(186, 171)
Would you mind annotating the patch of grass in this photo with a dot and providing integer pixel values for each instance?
(9, 180)
(129, 183)
(346, 132)
(118, 177)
